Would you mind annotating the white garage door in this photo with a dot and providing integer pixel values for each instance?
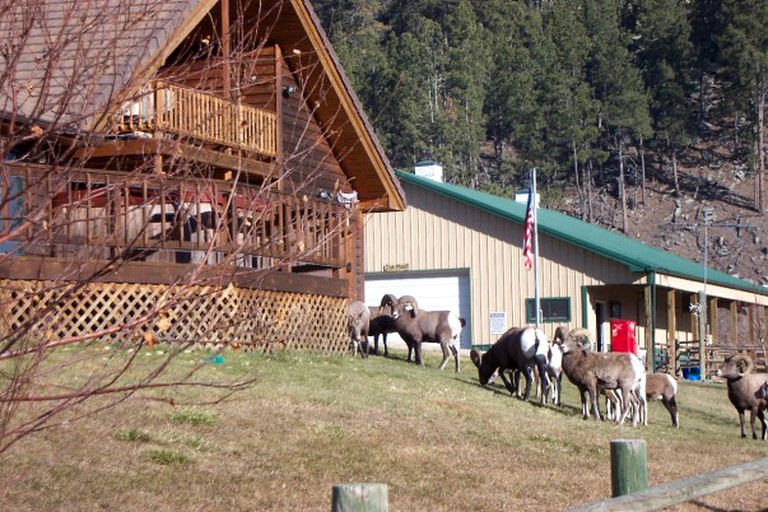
(438, 292)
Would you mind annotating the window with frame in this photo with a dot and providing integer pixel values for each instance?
(554, 309)
(11, 209)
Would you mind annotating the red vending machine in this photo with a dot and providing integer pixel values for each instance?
(623, 336)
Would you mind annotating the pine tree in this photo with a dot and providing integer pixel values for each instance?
(661, 34)
(572, 109)
(744, 55)
(623, 115)
(511, 106)
(466, 73)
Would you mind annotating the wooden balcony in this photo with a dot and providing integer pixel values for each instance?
(203, 118)
(94, 215)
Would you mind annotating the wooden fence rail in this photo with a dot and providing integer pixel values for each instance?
(683, 490)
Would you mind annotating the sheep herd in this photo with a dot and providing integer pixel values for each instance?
(619, 376)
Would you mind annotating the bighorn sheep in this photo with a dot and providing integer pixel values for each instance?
(744, 389)
(555, 371)
(662, 386)
(382, 322)
(517, 349)
(590, 372)
(416, 326)
(358, 323)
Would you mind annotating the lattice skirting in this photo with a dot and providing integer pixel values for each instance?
(205, 315)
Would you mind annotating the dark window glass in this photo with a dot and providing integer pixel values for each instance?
(552, 310)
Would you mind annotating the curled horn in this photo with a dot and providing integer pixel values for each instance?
(406, 300)
(581, 336)
(559, 336)
(388, 301)
(744, 362)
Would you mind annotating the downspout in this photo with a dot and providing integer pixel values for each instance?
(652, 281)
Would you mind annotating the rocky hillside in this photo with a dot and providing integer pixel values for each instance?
(711, 178)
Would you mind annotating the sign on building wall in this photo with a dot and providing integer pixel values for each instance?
(498, 322)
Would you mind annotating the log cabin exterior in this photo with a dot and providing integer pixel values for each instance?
(182, 170)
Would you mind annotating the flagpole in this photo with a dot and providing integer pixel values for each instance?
(537, 299)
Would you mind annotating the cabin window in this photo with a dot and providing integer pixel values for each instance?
(557, 309)
(11, 209)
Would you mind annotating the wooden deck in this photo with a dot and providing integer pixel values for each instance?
(96, 215)
(162, 107)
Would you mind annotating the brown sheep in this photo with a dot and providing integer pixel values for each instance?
(744, 389)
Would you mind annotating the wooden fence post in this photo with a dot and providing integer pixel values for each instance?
(360, 498)
(629, 466)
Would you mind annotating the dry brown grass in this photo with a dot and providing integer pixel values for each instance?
(438, 440)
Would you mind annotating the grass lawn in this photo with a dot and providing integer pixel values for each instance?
(437, 439)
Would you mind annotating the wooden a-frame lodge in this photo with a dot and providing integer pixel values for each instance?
(190, 170)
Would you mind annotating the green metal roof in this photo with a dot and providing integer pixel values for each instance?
(636, 255)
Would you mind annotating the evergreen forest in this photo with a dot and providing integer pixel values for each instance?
(593, 93)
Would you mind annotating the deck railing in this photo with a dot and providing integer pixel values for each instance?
(98, 215)
(186, 112)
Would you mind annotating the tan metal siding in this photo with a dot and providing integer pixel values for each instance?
(436, 232)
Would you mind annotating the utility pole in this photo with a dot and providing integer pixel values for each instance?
(708, 215)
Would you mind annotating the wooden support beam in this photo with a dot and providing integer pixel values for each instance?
(648, 296)
(694, 299)
(714, 328)
(734, 321)
(226, 48)
(279, 113)
(672, 329)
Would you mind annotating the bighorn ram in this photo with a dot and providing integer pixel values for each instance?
(416, 326)
(518, 349)
(358, 323)
(382, 322)
(590, 372)
(744, 390)
(662, 386)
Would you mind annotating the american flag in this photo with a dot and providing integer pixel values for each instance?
(528, 233)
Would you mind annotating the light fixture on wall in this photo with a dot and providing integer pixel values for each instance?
(288, 90)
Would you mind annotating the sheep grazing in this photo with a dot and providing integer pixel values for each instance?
(590, 372)
(518, 349)
(416, 326)
(358, 324)
(662, 386)
(744, 388)
(382, 322)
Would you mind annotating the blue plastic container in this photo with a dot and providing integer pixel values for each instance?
(693, 373)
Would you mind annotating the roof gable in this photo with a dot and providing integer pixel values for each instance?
(68, 60)
(636, 255)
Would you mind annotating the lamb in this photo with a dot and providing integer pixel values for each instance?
(358, 324)
(590, 372)
(517, 350)
(382, 322)
(662, 386)
(415, 326)
(744, 389)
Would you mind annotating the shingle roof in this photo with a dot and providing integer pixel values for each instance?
(636, 255)
(62, 60)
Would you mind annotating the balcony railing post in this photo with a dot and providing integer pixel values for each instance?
(158, 92)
